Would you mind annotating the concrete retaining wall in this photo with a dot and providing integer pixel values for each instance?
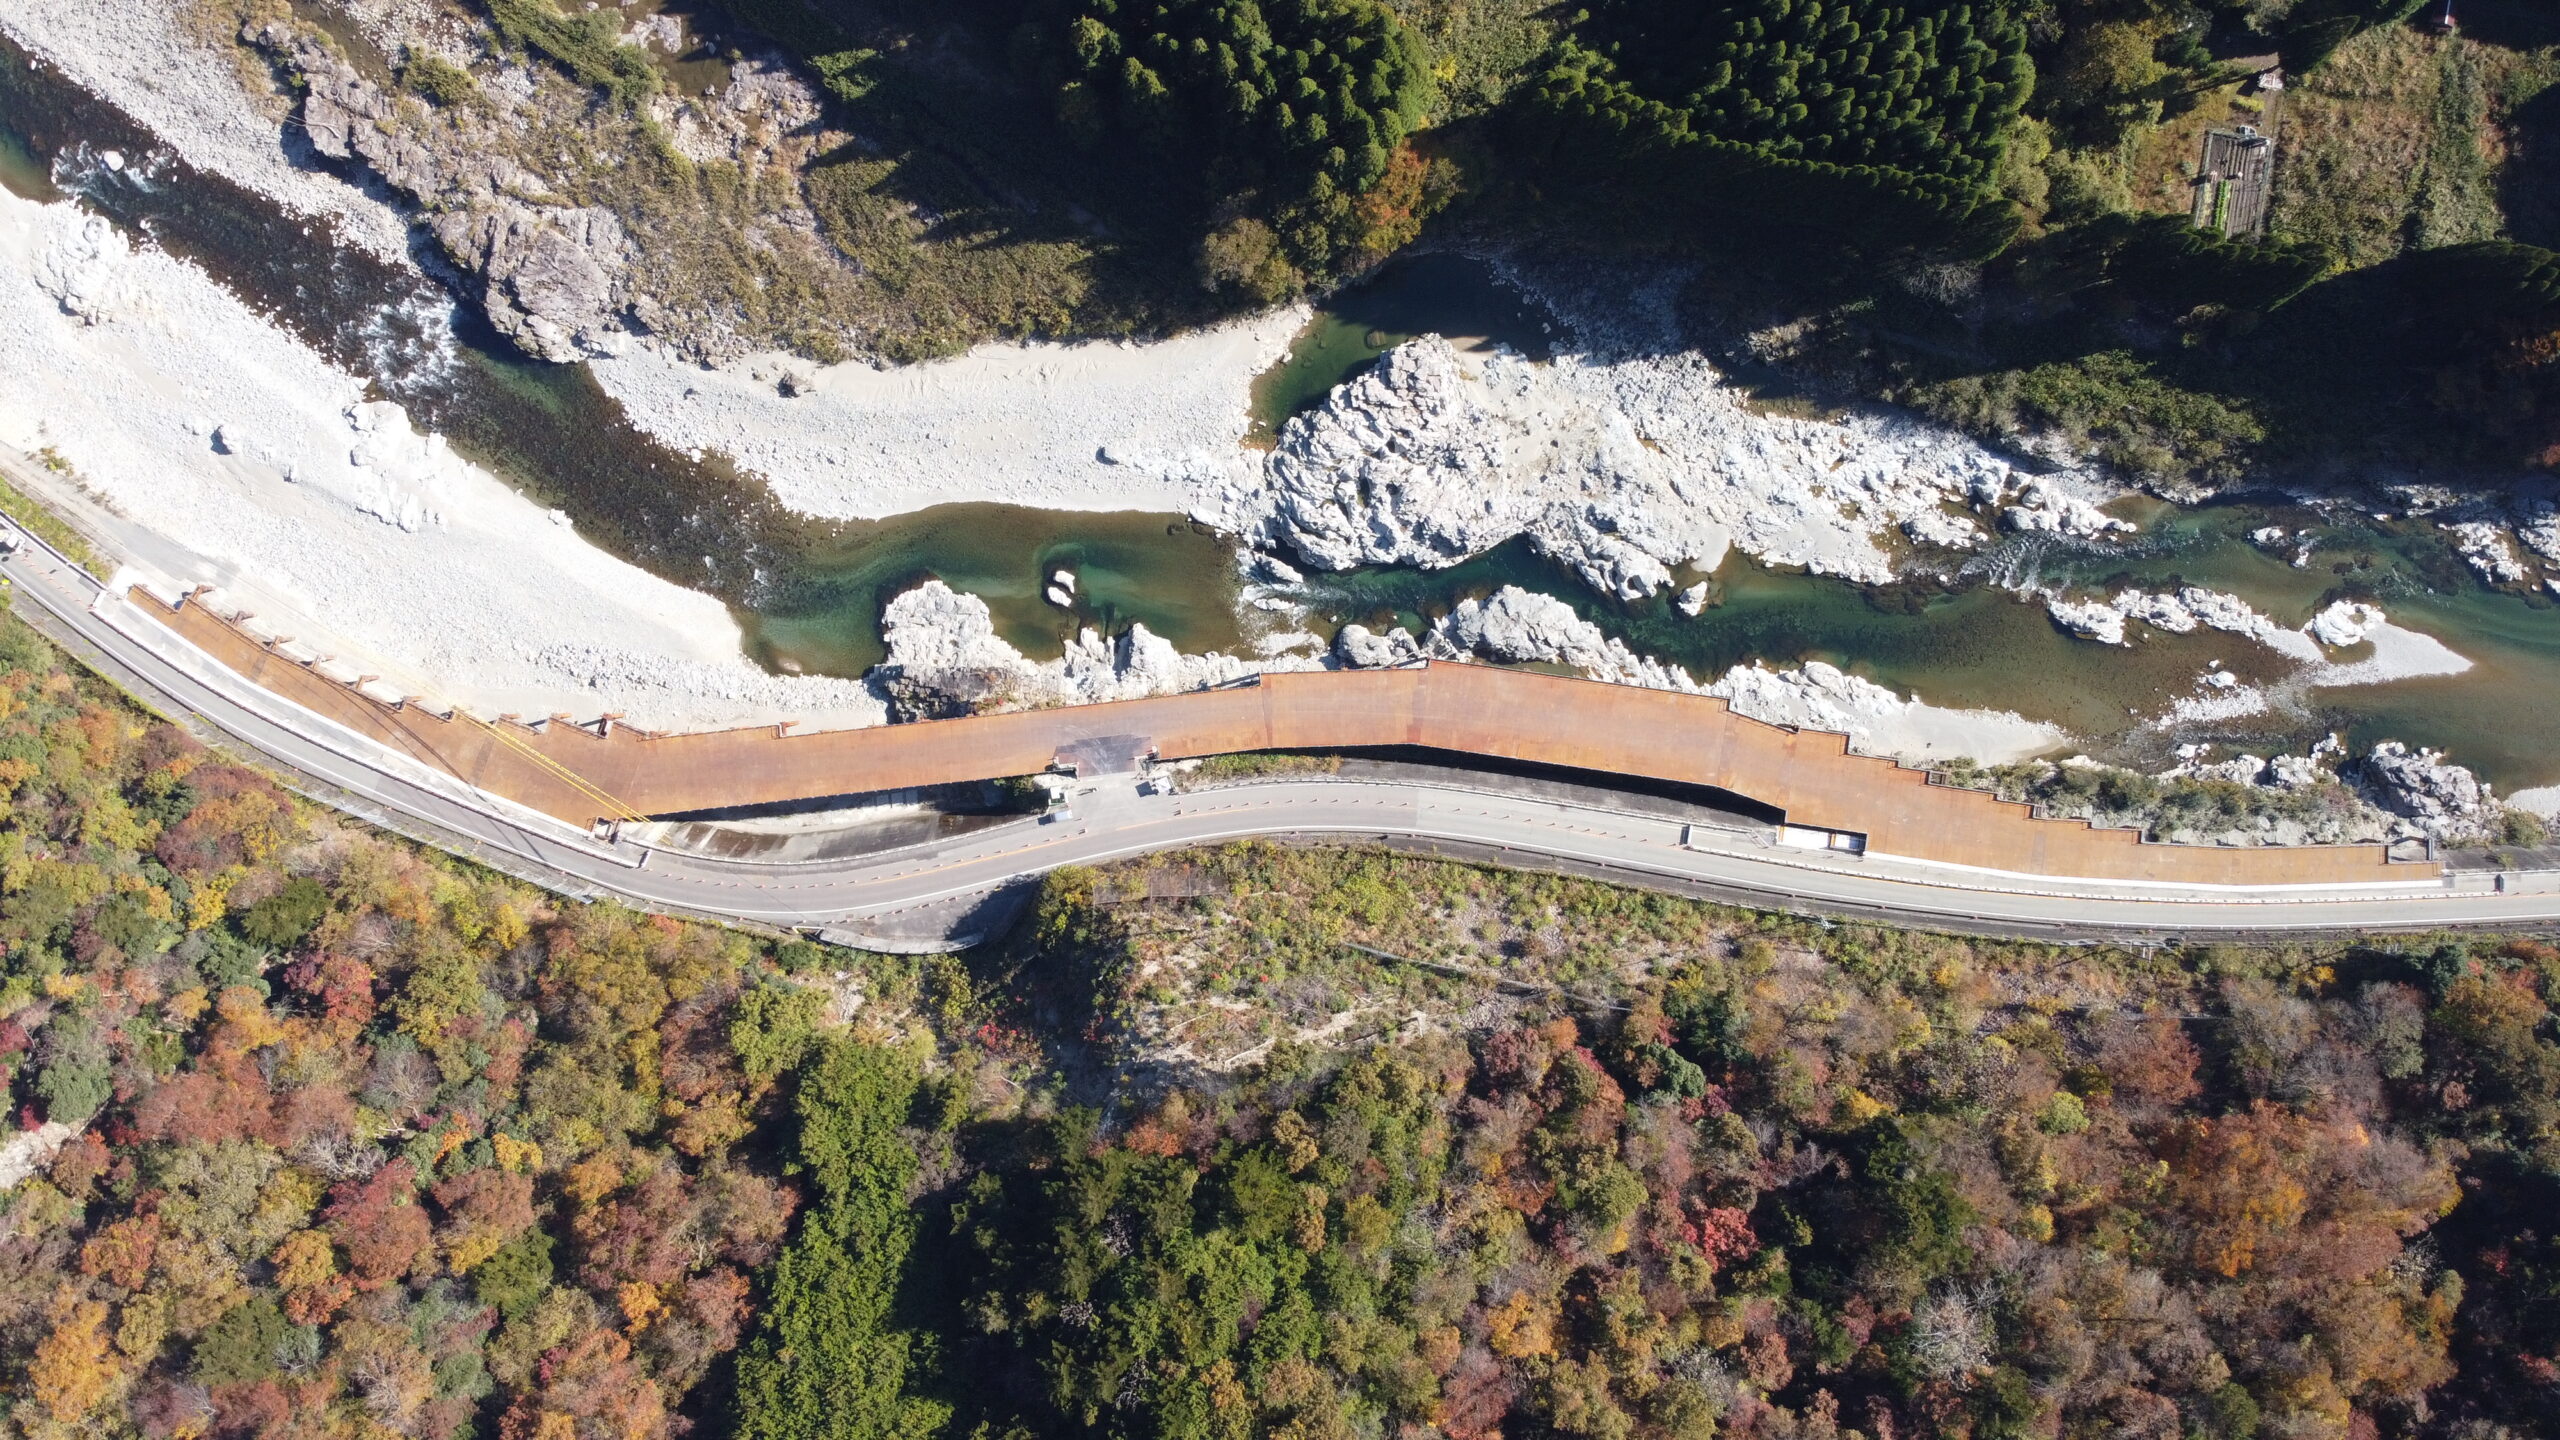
(1467, 709)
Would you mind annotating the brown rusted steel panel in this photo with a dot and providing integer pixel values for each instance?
(1472, 709)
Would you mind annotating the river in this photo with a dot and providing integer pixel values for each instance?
(809, 593)
(1973, 642)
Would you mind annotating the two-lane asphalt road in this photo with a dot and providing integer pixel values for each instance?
(1112, 820)
(891, 892)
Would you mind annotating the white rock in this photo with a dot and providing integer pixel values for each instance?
(395, 473)
(2218, 704)
(1058, 595)
(28, 1150)
(945, 658)
(2484, 545)
(2426, 499)
(2445, 801)
(2292, 772)
(2238, 770)
(2345, 622)
(1619, 469)
(661, 32)
(2539, 529)
(1520, 626)
(86, 266)
(2183, 613)
(1817, 696)
(1360, 648)
(935, 630)
(1943, 529)
(1064, 580)
(2090, 620)
(2268, 537)
(1692, 602)
(2221, 610)
(1289, 642)
(2160, 612)
(2045, 508)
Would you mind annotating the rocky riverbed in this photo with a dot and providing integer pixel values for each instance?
(1620, 467)
(516, 185)
(1628, 459)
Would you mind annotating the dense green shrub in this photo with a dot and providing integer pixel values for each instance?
(586, 46)
(242, 1345)
(773, 1027)
(1922, 87)
(2164, 262)
(1589, 126)
(77, 1080)
(2484, 282)
(2463, 340)
(439, 79)
(799, 957)
(514, 1278)
(1298, 104)
(282, 919)
(832, 1360)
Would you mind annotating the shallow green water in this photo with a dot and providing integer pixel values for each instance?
(1967, 648)
(1163, 570)
(1979, 645)
(21, 174)
(2501, 718)
(1450, 295)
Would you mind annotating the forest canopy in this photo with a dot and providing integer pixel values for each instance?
(1953, 195)
(1913, 84)
(324, 1136)
(1279, 116)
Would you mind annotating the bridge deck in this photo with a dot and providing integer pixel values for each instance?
(1465, 708)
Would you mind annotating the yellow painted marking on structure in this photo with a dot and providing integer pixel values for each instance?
(558, 771)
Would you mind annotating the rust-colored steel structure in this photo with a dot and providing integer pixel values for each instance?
(1469, 709)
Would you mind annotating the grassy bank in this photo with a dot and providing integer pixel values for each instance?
(36, 519)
